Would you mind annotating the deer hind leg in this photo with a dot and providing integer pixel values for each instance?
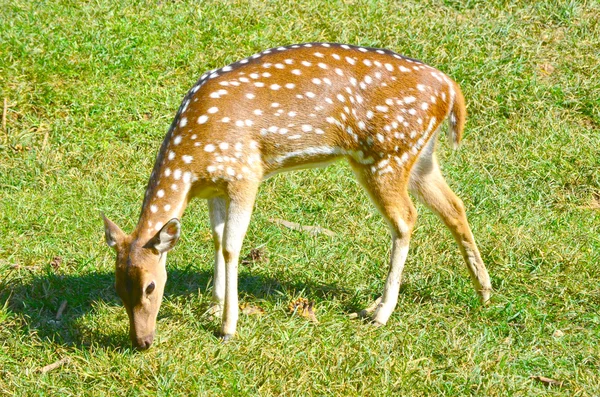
(242, 195)
(217, 210)
(429, 186)
(388, 193)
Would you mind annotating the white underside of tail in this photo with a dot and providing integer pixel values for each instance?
(452, 133)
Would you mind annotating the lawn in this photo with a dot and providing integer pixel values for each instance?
(88, 92)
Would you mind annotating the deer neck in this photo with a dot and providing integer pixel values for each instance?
(167, 194)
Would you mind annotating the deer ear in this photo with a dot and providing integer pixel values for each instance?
(112, 233)
(166, 238)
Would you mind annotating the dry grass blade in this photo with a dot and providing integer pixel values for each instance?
(54, 365)
(61, 309)
(16, 266)
(302, 228)
(547, 381)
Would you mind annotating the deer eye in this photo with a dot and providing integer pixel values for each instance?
(150, 288)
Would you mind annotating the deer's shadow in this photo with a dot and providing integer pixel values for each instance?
(38, 300)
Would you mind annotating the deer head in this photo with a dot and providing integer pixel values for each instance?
(141, 275)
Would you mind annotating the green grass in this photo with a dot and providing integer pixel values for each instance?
(92, 88)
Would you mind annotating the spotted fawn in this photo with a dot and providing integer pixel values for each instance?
(288, 108)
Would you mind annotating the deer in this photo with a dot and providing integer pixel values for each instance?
(287, 108)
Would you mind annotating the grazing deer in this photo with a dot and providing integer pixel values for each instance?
(288, 108)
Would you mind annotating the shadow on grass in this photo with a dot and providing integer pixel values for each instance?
(38, 299)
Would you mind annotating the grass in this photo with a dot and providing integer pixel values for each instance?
(91, 89)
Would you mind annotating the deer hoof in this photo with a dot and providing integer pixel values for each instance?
(226, 338)
(376, 324)
(484, 296)
(365, 313)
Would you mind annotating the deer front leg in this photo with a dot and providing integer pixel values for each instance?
(217, 210)
(239, 211)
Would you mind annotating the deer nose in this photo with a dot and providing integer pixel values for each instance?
(144, 342)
